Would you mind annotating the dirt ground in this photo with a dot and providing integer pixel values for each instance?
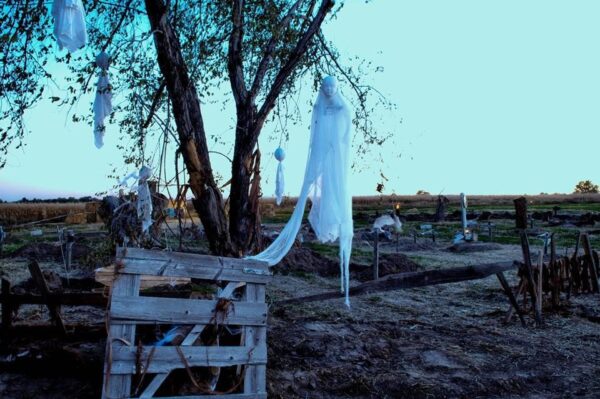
(445, 341)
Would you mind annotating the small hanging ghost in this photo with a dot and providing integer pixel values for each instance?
(69, 24)
(279, 180)
(144, 200)
(103, 101)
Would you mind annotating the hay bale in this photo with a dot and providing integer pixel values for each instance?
(91, 210)
(76, 218)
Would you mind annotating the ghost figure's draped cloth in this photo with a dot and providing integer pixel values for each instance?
(69, 24)
(325, 183)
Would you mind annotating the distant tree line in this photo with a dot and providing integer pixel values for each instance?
(59, 200)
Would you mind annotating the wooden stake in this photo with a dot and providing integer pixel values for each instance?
(521, 213)
(529, 275)
(40, 282)
(520, 290)
(511, 297)
(554, 273)
(591, 262)
(6, 308)
(539, 300)
(376, 256)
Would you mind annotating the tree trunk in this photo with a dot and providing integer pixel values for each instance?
(440, 212)
(208, 200)
(244, 219)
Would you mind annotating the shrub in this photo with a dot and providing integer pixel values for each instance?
(586, 187)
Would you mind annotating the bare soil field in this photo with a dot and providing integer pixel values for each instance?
(443, 341)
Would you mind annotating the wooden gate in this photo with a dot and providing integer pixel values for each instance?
(133, 369)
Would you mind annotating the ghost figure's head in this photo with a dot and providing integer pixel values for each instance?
(329, 86)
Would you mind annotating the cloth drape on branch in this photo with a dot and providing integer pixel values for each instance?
(69, 24)
(103, 100)
(325, 183)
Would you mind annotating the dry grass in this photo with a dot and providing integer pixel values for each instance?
(430, 201)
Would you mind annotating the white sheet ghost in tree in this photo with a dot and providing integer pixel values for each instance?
(69, 24)
(103, 100)
(325, 182)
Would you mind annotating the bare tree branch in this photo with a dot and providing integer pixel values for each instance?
(234, 61)
(270, 48)
(155, 101)
(293, 60)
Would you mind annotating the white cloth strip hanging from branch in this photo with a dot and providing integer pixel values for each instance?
(279, 179)
(103, 100)
(69, 24)
(325, 183)
(144, 199)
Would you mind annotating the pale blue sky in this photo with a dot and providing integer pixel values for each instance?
(495, 97)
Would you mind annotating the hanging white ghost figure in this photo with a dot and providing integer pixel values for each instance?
(144, 200)
(325, 183)
(69, 24)
(279, 180)
(103, 100)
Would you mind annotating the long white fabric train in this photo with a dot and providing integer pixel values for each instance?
(325, 183)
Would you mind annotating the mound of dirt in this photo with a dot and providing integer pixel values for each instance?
(474, 247)
(44, 251)
(305, 260)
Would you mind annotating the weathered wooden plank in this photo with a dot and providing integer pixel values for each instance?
(261, 342)
(249, 341)
(191, 259)
(411, 280)
(166, 358)
(230, 396)
(228, 290)
(174, 268)
(161, 377)
(186, 311)
(74, 298)
(119, 336)
(154, 385)
(106, 276)
(40, 282)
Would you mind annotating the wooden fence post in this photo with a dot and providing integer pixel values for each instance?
(591, 262)
(376, 255)
(529, 275)
(6, 309)
(520, 213)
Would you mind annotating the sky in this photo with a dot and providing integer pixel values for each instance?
(493, 97)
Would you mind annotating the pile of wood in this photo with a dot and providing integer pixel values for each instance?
(542, 281)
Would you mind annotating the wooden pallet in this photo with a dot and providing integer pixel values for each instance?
(125, 358)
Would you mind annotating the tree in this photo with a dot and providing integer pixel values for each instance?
(586, 187)
(263, 49)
